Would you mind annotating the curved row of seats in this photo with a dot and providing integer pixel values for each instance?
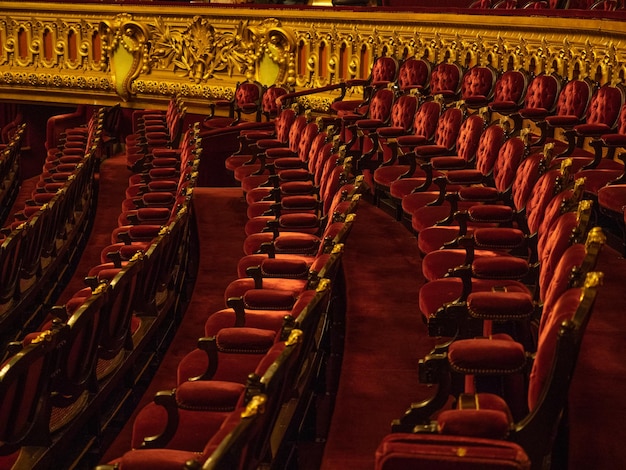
(267, 344)
(42, 239)
(9, 166)
(60, 378)
(509, 259)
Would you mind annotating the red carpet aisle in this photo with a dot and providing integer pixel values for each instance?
(597, 405)
(220, 215)
(112, 181)
(385, 338)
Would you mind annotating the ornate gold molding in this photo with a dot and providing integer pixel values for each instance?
(149, 52)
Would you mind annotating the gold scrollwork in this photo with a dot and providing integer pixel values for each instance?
(200, 52)
(125, 43)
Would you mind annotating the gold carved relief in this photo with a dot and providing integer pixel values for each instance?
(150, 52)
(202, 55)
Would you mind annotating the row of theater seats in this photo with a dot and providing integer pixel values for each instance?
(11, 148)
(41, 240)
(504, 219)
(241, 395)
(412, 141)
(59, 379)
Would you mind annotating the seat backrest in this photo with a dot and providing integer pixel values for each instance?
(478, 81)
(284, 123)
(491, 140)
(269, 105)
(426, 119)
(569, 228)
(118, 310)
(414, 73)
(542, 92)
(511, 87)
(525, 179)
(384, 70)
(509, 158)
(10, 267)
(558, 346)
(381, 105)
(306, 141)
(445, 77)
(247, 99)
(296, 132)
(574, 264)
(403, 111)
(545, 189)
(448, 127)
(24, 394)
(574, 99)
(605, 106)
(468, 138)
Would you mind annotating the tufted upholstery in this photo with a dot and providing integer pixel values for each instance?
(426, 118)
(403, 112)
(509, 91)
(490, 143)
(478, 86)
(384, 71)
(603, 111)
(511, 155)
(446, 80)
(541, 96)
(572, 104)
(414, 73)
(248, 96)
(269, 106)
(381, 104)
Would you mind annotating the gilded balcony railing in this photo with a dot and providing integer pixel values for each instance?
(143, 53)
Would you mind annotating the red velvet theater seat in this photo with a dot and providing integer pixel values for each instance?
(422, 130)
(414, 74)
(384, 71)
(441, 212)
(509, 92)
(445, 80)
(491, 140)
(433, 452)
(486, 414)
(270, 149)
(434, 166)
(600, 119)
(25, 378)
(540, 101)
(511, 211)
(246, 100)
(420, 148)
(358, 128)
(443, 302)
(477, 86)
(287, 276)
(294, 159)
(296, 181)
(259, 308)
(571, 108)
(187, 417)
